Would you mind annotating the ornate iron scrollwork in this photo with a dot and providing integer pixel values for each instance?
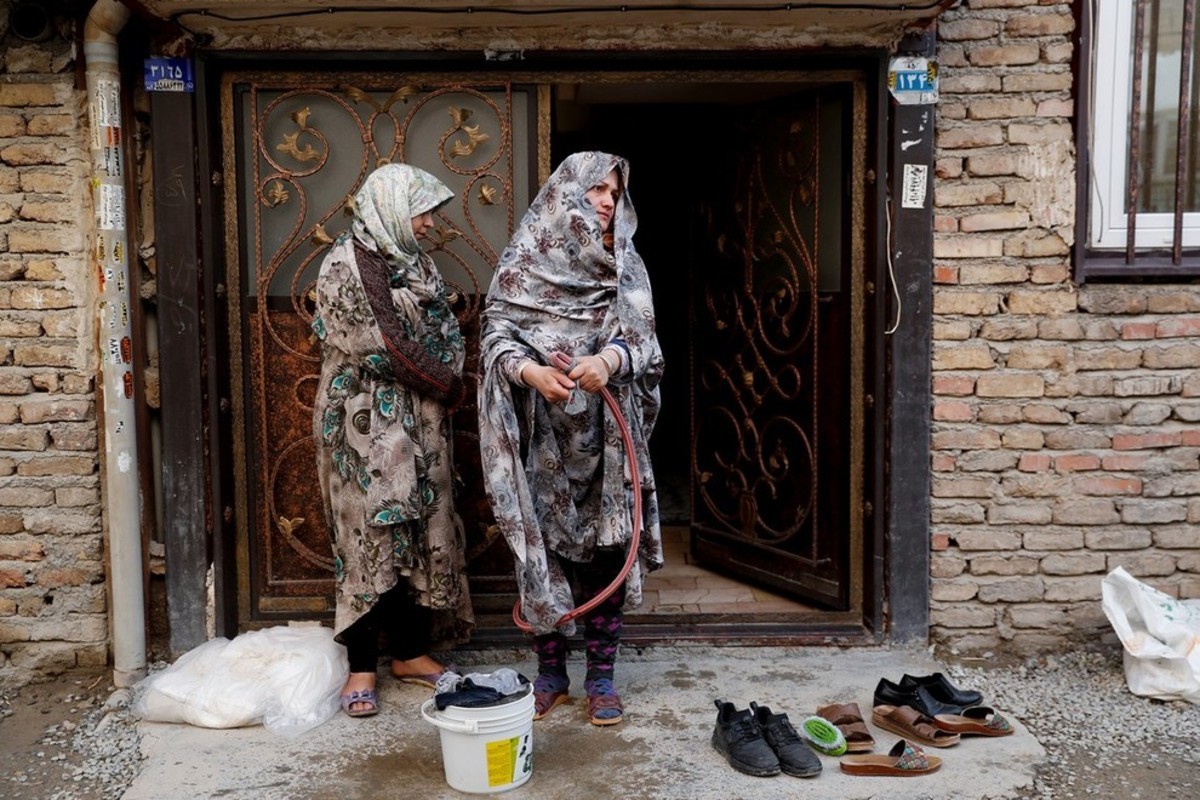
(309, 152)
(755, 451)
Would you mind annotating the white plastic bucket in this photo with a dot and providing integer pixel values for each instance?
(487, 749)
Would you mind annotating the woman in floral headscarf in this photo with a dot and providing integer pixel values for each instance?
(571, 282)
(392, 359)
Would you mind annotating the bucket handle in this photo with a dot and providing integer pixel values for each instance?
(458, 726)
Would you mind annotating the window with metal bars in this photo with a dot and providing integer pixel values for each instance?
(1139, 146)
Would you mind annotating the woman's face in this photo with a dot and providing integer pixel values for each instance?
(422, 223)
(603, 197)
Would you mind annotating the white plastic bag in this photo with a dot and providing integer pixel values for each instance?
(1161, 636)
(287, 678)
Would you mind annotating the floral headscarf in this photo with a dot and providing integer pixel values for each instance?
(558, 290)
(383, 210)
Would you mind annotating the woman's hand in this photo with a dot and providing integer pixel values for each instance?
(550, 382)
(591, 372)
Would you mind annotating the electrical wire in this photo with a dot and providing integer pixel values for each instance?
(887, 221)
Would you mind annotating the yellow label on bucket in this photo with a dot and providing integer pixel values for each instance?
(501, 760)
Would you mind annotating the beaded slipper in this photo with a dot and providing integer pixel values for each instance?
(976, 720)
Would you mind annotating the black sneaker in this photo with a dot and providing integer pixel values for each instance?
(795, 757)
(738, 738)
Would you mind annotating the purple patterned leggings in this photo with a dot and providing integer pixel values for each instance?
(601, 627)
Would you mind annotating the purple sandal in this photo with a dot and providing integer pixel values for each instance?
(368, 696)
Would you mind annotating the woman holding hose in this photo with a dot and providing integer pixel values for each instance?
(570, 282)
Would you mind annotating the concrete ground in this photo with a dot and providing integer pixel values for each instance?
(661, 751)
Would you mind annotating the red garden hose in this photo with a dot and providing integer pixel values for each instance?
(564, 363)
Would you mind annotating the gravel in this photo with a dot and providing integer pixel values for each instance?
(72, 739)
(1101, 740)
(108, 741)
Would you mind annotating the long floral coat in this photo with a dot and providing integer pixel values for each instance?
(384, 455)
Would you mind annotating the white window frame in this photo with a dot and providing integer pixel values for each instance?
(1112, 71)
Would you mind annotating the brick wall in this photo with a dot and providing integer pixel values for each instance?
(52, 593)
(1065, 436)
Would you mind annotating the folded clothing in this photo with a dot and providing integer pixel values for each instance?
(478, 689)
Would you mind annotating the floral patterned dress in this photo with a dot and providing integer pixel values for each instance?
(392, 359)
(557, 475)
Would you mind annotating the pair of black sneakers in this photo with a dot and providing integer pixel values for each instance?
(930, 694)
(758, 742)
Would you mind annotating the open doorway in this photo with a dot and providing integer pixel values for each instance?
(745, 209)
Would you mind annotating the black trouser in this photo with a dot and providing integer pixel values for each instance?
(396, 614)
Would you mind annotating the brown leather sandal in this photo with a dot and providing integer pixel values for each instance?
(912, 725)
(849, 720)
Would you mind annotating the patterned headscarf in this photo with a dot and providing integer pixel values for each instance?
(556, 287)
(383, 210)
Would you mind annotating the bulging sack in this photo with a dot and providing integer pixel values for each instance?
(1161, 636)
(287, 678)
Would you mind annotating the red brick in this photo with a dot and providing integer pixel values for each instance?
(1189, 438)
(1056, 108)
(1143, 441)
(56, 578)
(941, 462)
(955, 385)
(1040, 25)
(1102, 485)
(11, 578)
(1168, 328)
(1077, 462)
(943, 274)
(1138, 330)
(20, 550)
(1124, 462)
(943, 223)
(941, 541)
(1031, 462)
(953, 412)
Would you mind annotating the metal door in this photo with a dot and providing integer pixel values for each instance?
(300, 146)
(777, 349)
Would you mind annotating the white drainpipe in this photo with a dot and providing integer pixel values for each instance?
(113, 261)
